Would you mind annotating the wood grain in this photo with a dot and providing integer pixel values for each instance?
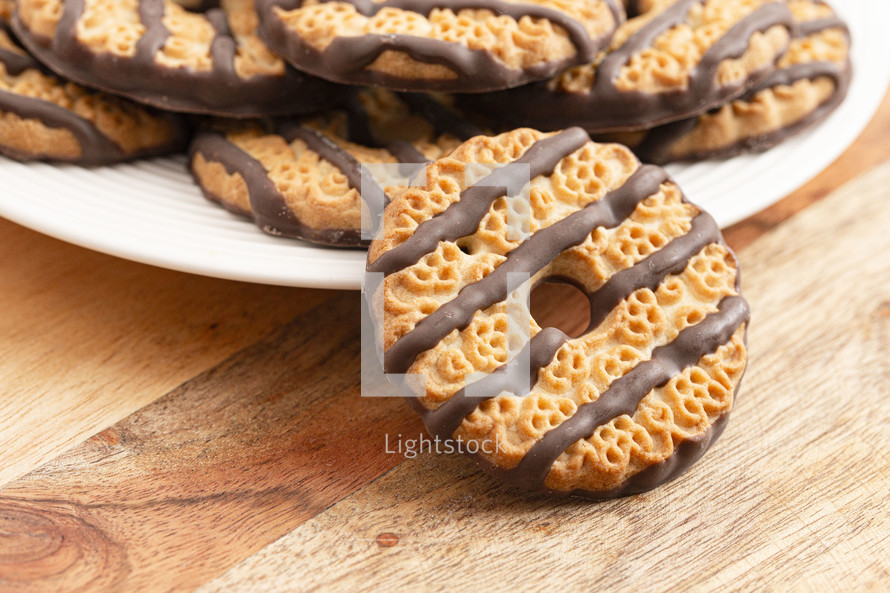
(86, 339)
(793, 498)
(193, 483)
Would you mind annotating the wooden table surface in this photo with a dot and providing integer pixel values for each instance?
(167, 432)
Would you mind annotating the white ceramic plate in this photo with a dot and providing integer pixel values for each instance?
(152, 213)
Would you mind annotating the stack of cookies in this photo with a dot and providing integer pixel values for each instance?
(283, 104)
(100, 81)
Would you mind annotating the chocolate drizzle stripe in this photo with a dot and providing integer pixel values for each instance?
(529, 257)
(625, 394)
(406, 152)
(370, 190)
(352, 55)
(215, 147)
(539, 352)
(797, 72)
(609, 68)
(345, 59)
(734, 42)
(269, 208)
(443, 119)
(462, 218)
(151, 14)
(17, 63)
(64, 42)
(808, 70)
(651, 271)
(223, 46)
(542, 348)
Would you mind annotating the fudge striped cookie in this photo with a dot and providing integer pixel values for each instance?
(809, 83)
(628, 404)
(158, 53)
(43, 117)
(677, 59)
(303, 179)
(442, 45)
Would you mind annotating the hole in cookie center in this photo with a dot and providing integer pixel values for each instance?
(559, 303)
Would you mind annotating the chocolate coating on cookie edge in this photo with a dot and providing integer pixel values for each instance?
(684, 456)
(346, 58)
(96, 148)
